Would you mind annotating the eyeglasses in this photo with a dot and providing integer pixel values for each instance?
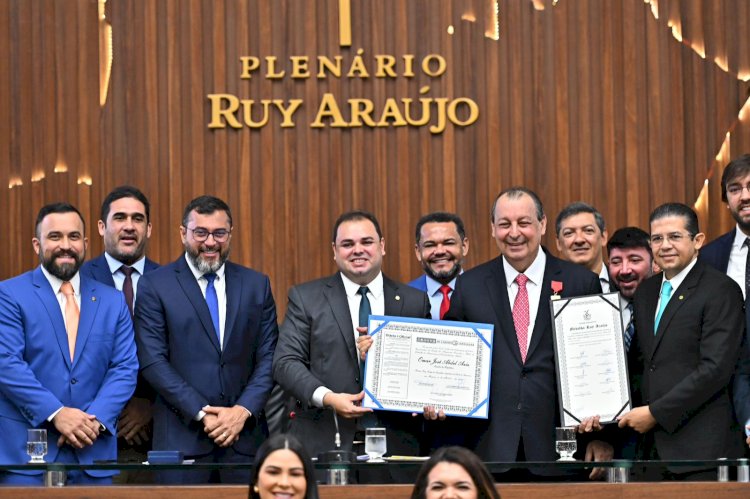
(200, 234)
(674, 238)
(736, 189)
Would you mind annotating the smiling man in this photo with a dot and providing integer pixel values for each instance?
(689, 322)
(317, 359)
(581, 238)
(441, 245)
(206, 332)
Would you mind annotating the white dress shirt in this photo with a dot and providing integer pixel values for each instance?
(604, 279)
(675, 282)
(738, 259)
(535, 273)
(220, 284)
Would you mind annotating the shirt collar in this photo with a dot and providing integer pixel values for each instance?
(56, 282)
(434, 287)
(604, 274)
(352, 288)
(739, 237)
(115, 264)
(198, 274)
(677, 280)
(535, 272)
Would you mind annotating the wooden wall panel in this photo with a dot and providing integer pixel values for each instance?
(597, 100)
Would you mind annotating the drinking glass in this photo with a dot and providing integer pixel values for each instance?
(565, 442)
(36, 445)
(375, 445)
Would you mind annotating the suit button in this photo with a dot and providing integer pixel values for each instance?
(222, 364)
(73, 381)
(523, 376)
(652, 368)
(356, 379)
(518, 406)
(222, 395)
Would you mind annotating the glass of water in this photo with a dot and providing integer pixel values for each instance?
(36, 445)
(375, 445)
(565, 442)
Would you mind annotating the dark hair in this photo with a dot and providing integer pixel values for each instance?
(124, 191)
(206, 205)
(629, 238)
(515, 193)
(282, 441)
(351, 216)
(738, 167)
(677, 210)
(576, 208)
(441, 217)
(51, 208)
(467, 460)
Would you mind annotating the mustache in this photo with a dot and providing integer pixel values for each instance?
(627, 277)
(69, 253)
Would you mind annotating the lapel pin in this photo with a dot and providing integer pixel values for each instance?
(681, 297)
(398, 297)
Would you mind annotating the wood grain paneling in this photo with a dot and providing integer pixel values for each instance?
(588, 99)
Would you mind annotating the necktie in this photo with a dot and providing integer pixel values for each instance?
(72, 314)
(446, 303)
(747, 267)
(666, 292)
(127, 286)
(521, 315)
(630, 328)
(213, 303)
(364, 307)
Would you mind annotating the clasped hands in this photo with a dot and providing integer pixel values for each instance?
(76, 427)
(224, 424)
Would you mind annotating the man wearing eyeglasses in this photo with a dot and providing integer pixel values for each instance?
(730, 253)
(206, 332)
(689, 326)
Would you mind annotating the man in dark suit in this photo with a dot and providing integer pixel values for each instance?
(317, 358)
(581, 238)
(730, 253)
(206, 332)
(689, 324)
(441, 245)
(523, 400)
(125, 228)
(67, 356)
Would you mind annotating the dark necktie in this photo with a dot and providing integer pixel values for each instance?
(446, 303)
(364, 307)
(127, 287)
(630, 328)
(521, 315)
(747, 267)
(212, 300)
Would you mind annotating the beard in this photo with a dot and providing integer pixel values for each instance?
(66, 271)
(128, 258)
(743, 225)
(203, 266)
(445, 276)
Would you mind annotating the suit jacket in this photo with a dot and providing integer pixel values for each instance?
(716, 254)
(98, 268)
(419, 283)
(316, 348)
(181, 357)
(688, 363)
(523, 396)
(38, 377)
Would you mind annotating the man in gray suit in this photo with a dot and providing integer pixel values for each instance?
(317, 360)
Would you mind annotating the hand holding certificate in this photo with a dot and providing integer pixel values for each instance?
(414, 363)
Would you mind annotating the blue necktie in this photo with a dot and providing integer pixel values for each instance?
(666, 292)
(212, 300)
(364, 307)
(630, 329)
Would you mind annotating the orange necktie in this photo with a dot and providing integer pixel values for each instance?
(72, 315)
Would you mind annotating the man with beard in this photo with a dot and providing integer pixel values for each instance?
(581, 238)
(729, 253)
(441, 245)
(67, 356)
(125, 227)
(206, 333)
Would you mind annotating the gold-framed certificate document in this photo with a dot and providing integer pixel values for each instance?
(592, 371)
(413, 363)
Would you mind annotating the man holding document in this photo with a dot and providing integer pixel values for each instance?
(513, 292)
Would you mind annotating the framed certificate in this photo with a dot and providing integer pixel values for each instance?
(592, 371)
(413, 363)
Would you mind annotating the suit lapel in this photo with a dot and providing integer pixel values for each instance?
(47, 296)
(234, 298)
(89, 307)
(542, 323)
(101, 272)
(393, 302)
(192, 290)
(497, 288)
(335, 294)
(679, 297)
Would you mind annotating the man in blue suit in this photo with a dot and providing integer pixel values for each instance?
(125, 228)
(730, 253)
(441, 245)
(206, 333)
(67, 355)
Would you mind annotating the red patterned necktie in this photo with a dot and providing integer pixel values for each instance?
(446, 303)
(521, 315)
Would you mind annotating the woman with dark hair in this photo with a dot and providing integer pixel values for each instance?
(454, 472)
(283, 467)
